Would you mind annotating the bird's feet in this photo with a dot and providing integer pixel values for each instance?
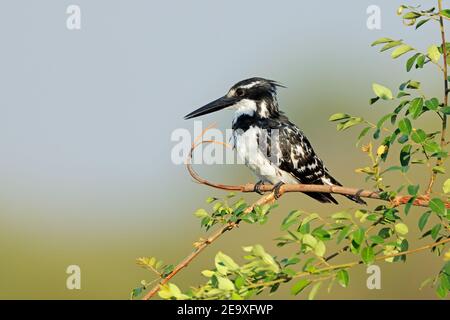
(276, 190)
(258, 185)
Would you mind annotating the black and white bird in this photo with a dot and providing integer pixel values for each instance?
(274, 148)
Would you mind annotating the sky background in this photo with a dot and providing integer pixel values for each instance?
(86, 117)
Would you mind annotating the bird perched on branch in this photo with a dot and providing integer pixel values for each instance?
(274, 148)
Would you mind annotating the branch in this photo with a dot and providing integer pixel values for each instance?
(203, 245)
(444, 116)
(269, 198)
(421, 201)
(351, 264)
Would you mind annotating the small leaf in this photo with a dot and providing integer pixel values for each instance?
(367, 255)
(445, 13)
(416, 107)
(343, 278)
(291, 218)
(309, 240)
(410, 62)
(423, 220)
(381, 40)
(418, 136)
(320, 248)
(225, 284)
(405, 126)
(299, 286)
(390, 45)
(312, 294)
(446, 186)
(438, 206)
(411, 15)
(338, 116)
(404, 48)
(401, 229)
(201, 213)
(358, 236)
(433, 53)
(439, 169)
(405, 155)
(421, 23)
(382, 92)
(377, 239)
(432, 104)
(435, 231)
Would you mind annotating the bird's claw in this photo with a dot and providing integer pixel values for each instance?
(257, 188)
(276, 190)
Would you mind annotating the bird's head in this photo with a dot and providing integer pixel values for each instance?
(255, 97)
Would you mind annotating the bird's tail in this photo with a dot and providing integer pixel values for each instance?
(328, 179)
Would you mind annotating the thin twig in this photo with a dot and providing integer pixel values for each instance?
(439, 161)
(421, 201)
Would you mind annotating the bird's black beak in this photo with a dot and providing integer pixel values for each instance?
(214, 106)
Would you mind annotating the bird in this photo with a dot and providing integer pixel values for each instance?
(270, 145)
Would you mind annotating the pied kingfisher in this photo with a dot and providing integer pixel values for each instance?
(274, 148)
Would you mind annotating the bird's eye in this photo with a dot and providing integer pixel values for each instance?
(239, 92)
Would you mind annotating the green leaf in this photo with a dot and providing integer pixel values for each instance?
(401, 229)
(299, 286)
(367, 255)
(377, 239)
(423, 220)
(438, 206)
(309, 240)
(413, 189)
(390, 45)
(421, 23)
(446, 186)
(439, 169)
(291, 218)
(381, 40)
(383, 120)
(201, 213)
(410, 62)
(418, 136)
(401, 50)
(224, 263)
(433, 53)
(343, 278)
(363, 133)
(312, 294)
(343, 233)
(136, 292)
(358, 236)
(411, 15)
(382, 92)
(405, 155)
(445, 13)
(445, 110)
(338, 116)
(348, 124)
(420, 61)
(342, 215)
(435, 231)
(432, 104)
(225, 284)
(320, 248)
(416, 107)
(405, 126)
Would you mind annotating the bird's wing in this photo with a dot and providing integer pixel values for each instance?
(300, 160)
(298, 157)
